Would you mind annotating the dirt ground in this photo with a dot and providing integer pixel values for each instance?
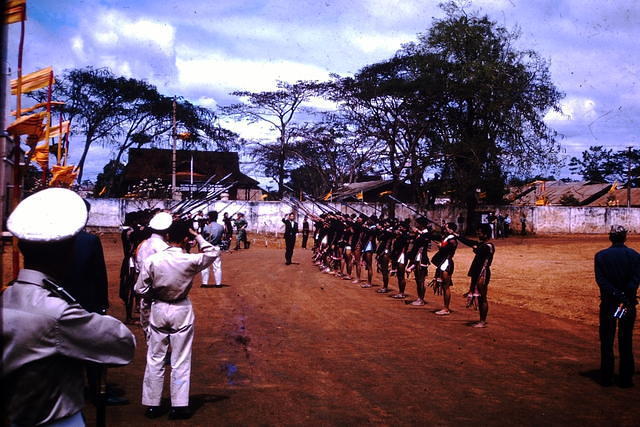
(287, 345)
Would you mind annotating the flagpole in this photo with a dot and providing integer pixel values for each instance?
(17, 173)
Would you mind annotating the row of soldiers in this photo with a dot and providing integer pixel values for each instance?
(345, 244)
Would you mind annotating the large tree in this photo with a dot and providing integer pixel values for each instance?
(596, 164)
(95, 104)
(278, 109)
(331, 154)
(394, 103)
(496, 97)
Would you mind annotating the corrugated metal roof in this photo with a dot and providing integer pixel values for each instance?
(553, 191)
(618, 198)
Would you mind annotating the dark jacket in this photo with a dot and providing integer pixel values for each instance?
(86, 278)
(617, 271)
(290, 228)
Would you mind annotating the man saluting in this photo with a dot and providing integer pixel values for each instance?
(166, 278)
(45, 333)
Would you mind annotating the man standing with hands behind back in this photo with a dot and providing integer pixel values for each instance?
(617, 271)
(290, 231)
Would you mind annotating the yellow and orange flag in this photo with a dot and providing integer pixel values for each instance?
(15, 11)
(28, 125)
(62, 176)
(33, 81)
(360, 195)
(41, 156)
(328, 195)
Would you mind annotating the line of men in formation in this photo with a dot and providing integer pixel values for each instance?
(345, 244)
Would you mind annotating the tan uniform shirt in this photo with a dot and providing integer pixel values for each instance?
(45, 340)
(168, 275)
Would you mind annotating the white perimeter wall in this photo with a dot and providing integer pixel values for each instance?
(263, 217)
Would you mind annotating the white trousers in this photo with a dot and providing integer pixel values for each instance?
(169, 323)
(216, 267)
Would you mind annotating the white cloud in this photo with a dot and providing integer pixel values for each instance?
(573, 109)
(215, 70)
(373, 42)
(111, 26)
(321, 104)
(77, 45)
(259, 131)
(206, 101)
(106, 38)
(393, 10)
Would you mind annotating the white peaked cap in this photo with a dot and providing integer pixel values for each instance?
(161, 221)
(49, 215)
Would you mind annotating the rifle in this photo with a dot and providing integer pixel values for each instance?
(182, 205)
(198, 203)
(323, 209)
(412, 210)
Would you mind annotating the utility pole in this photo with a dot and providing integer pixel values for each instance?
(174, 191)
(629, 177)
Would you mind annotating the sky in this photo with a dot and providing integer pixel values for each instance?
(203, 50)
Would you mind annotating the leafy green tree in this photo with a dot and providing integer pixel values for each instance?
(597, 164)
(495, 100)
(125, 112)
(394, 104)
(110, 182)
(626, 164)
(94, 103)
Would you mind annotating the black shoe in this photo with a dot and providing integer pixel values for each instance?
(626, 383)
(606, 382)
(180, 413)
(153, 412)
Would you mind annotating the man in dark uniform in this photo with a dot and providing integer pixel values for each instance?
(86, 281)
(305, 231)
(290, 231)
(617, 271)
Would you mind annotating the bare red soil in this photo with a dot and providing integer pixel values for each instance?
(287, 345)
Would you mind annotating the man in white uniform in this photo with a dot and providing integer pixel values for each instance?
(153, 244)
(166, 278)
